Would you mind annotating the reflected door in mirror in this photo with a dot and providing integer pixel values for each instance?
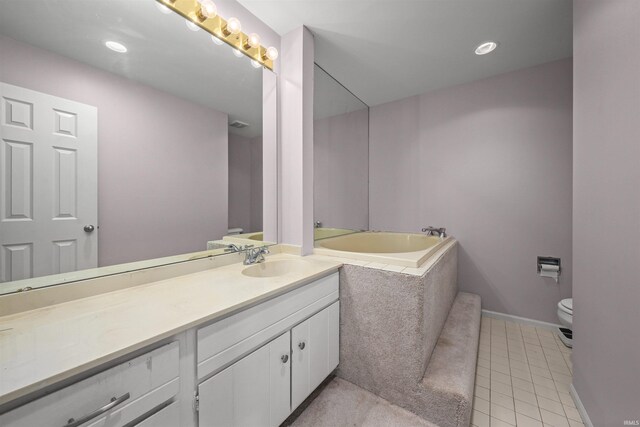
(48, 184)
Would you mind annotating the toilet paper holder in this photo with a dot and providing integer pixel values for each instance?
(549, 261)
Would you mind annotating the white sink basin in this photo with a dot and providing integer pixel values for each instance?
(274, 268)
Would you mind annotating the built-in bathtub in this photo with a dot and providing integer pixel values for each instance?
(402, 249)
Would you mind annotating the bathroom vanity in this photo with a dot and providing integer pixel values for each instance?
(233, 345)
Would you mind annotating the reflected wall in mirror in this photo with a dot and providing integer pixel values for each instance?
(125, 136)
(340, 158)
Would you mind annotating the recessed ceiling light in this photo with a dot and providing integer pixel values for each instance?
(115, 46)
(486, 47)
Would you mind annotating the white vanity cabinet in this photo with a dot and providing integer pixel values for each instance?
(118, 396)
(262, 387)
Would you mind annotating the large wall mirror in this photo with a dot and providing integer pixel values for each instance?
(126, 136)
(340, 159)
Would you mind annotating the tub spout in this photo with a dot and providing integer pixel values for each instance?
(434, 231)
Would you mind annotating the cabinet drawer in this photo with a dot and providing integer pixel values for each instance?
(158, 369)
(167, 417)
(229, 339)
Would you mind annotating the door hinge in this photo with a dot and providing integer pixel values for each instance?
(197, 402)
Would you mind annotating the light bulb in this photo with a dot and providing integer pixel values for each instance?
(237, 53)
(253, 40)
(162, 8)
(217, 40)
(233, 26)
(116, 47)
(486, 47)
(208, 9)
(255, 64)
(192, 26)
(272, 53)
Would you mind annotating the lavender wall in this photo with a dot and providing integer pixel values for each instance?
(341, 170)
(606, 209)
(491, 161)
(162, 161)
(245, 183)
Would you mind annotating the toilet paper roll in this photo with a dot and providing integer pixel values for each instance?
(552, 271)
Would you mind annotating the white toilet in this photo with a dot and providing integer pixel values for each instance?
(565, 315)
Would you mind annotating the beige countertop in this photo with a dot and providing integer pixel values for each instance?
(42, 347)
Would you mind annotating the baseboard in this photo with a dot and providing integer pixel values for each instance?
(518, 319)
(580, 407)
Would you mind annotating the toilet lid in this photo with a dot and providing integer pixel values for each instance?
(567, 303)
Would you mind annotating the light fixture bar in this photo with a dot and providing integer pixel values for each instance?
(216, 26)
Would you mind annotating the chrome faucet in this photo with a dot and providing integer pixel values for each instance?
(317, 224)
(434, 231)
(255, 255)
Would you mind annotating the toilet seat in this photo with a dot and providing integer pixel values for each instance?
(566, 305)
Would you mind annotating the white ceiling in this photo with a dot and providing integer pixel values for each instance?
(163, 53)
(384, 50)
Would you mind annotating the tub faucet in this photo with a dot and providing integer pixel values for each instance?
(317, 224)
(236, 248)
(433, 231)
(255, 255)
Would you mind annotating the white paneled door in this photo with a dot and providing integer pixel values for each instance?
(48, 184)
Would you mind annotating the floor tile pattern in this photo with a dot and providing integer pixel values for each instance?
(522, 378)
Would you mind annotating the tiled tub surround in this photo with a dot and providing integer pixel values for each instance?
(522, 378)
(401, 339)
(399, 249)
(36, 344)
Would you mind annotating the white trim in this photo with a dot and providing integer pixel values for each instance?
(518, 319)
(581, 410)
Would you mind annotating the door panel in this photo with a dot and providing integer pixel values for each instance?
(315, 350)
(48, 184)
(252, 392)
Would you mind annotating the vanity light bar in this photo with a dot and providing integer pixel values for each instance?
(204, 14)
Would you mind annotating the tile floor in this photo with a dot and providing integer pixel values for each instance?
(522, 378)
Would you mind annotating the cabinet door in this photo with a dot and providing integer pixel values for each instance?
(252, 392)
(315, 352)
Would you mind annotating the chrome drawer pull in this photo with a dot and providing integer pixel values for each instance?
(115, 401)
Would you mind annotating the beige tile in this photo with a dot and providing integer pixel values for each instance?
(393, 268)
(523, 375)
(502, 369)
(502, 400)
(481, 392)
(480, 419)
(573, 423)
(495, 422)
(481, 405)
(502, 388)
(483, 372)
(484, 363)
(561, 369)
(503, 414)
(550, 405)
(502, 360)
(562, 387)
(518, 357)
(561, 378)
(525, 396)
(546, 382)
(524, 421)
(546, 392)
(566, 399)
(540, 362)
(522, 384)
(521, 366)
(555, 420)
(572, 413)
(483, 382)
(543, 372)
(528, 409)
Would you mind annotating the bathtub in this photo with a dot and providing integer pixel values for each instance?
(402, 249)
